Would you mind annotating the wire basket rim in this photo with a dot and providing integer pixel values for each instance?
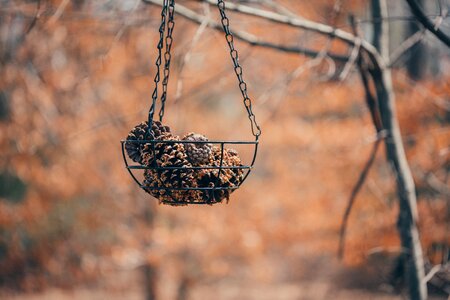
(136, 166)
(230, 142)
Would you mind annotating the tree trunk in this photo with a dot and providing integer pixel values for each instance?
(407, 219)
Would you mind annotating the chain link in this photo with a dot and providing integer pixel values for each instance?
(157, 78)
(256, 130)
(167, 57)
(168, 9)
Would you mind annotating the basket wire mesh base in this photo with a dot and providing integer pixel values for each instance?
(175, 184)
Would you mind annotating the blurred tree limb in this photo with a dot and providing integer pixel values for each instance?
(371, 103)
(255, 41)
(36, 17)
(423, 19)
(407, 218)
(405, 46)
(344, 36)
(301, 23)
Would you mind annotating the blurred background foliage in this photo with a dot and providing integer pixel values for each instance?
(76, 76)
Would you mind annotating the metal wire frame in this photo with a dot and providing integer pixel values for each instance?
(167, 20)
(134, 167)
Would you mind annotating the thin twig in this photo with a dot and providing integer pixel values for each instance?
(415, 38)
(376, 119)
(425, 92)
(436, 184)
(351, 61)
(405, 46)
(353, 57)
(37, 15)
(354, 193)
(397, 18)
(59, 11)
(320, 28)
(422, 18)
(121, 30)
(433, 271)
(283, 84)
(371, 101)
(443, 13)
(187, 56)
(249, 38)
(281, 9)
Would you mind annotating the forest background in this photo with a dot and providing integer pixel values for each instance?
(76, 76)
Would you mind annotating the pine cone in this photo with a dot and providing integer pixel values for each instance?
(132, 145)
(171, 155)
(198, 153)
(182, 156)
(229, 178)
(135, 148)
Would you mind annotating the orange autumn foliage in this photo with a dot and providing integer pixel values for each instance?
(77, 84)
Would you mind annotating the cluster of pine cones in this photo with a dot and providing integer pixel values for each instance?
(179, 157)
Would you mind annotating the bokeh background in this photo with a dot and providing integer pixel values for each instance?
(76, 76)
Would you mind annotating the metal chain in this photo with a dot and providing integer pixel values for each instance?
(168, 10)
(167, 57)
(256, 130)
(158, 64)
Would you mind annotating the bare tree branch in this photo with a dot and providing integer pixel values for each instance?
(245, 36)
(432, 272)
(351, 61)
(354, 193)
(422, 18)
(376, 120)
(378, 61)
(122, 29)
(282, 86)
(37, 15)
(415, 38)
(59, 11)
(434, 182)
(188, 54)
(279, 8)
(299, 23)
(405, 47)
(443, 13)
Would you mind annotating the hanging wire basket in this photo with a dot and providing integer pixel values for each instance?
(191, 169)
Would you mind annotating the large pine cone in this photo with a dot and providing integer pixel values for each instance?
(171, 155)
(197, 153)
(134, 147)
(229, 178)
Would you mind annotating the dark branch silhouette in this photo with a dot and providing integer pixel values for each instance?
(422, 18)
(245, 36)
(376, 119)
